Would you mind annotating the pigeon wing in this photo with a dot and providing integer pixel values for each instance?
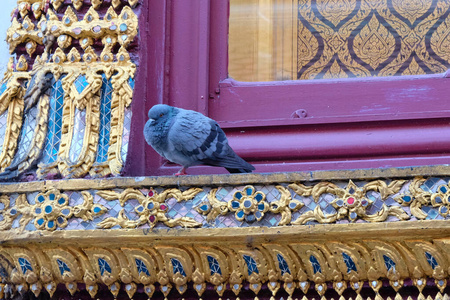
(201, 141)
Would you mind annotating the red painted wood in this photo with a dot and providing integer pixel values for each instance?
(280, 126)
(332, 101)
(150, 85)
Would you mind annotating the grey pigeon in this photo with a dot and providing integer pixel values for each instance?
(188, 138)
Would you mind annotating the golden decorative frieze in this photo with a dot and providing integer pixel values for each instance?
(272, 205)
(293, 260)
(120, 28)
(231, 233)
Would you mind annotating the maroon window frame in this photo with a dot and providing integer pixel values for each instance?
(284, 125)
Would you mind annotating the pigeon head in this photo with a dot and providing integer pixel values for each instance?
(161, 113)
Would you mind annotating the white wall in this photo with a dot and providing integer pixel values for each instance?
(7, 7)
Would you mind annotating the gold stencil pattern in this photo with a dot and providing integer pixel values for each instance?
(359, 38)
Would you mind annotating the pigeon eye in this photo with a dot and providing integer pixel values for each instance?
(161, 115)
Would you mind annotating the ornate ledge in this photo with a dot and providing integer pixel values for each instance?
(293, 233)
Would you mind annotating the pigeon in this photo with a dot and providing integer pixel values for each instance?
(188, 138)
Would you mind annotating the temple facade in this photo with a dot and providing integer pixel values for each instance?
(341, 105)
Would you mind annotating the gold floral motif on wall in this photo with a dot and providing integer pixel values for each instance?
(359, 38)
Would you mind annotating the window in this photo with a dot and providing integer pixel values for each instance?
(283, 125)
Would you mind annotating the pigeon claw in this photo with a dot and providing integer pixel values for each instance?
(181, 172)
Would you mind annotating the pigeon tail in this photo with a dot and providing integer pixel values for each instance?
(239, 170)
(232, 162)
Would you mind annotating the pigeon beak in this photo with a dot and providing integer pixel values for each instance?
(151, 120)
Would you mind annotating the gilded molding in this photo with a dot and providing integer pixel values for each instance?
(292, 260)
(122, 28)
(273, 205)
(222, 241)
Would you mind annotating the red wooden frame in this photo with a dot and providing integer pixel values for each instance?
(286, 125)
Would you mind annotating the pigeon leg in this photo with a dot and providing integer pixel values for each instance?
(181, 172)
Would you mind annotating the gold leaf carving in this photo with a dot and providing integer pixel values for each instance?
(152, 208)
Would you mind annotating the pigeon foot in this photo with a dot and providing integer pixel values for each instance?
(181, 172)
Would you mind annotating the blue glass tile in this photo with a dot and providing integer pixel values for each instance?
(123, 27)
(258, 197)
(214, 265)
(240, 214)
(3, 88)
(204, 207)
(238, 195)
(315, 264)
(51, 197)
(431, 260)
(250, 218)
(235, 204)
(25, 265)
(104, 266)
(177, 267)
(251, 265)
(48, 209)
(41, 198)
(62, 266)
(141, 267)
(443, 189)
(249, 191)
(283, 265)
(429, 184)
(432, 213)
(390, 264)
(131, 83)
(407, 199)
(81, 83)
(40, 221)
(349, 262)
(106, 92)
(61, 201)
(51, 224)
(51, 148)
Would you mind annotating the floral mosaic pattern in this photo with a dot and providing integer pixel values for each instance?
(245, 206)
